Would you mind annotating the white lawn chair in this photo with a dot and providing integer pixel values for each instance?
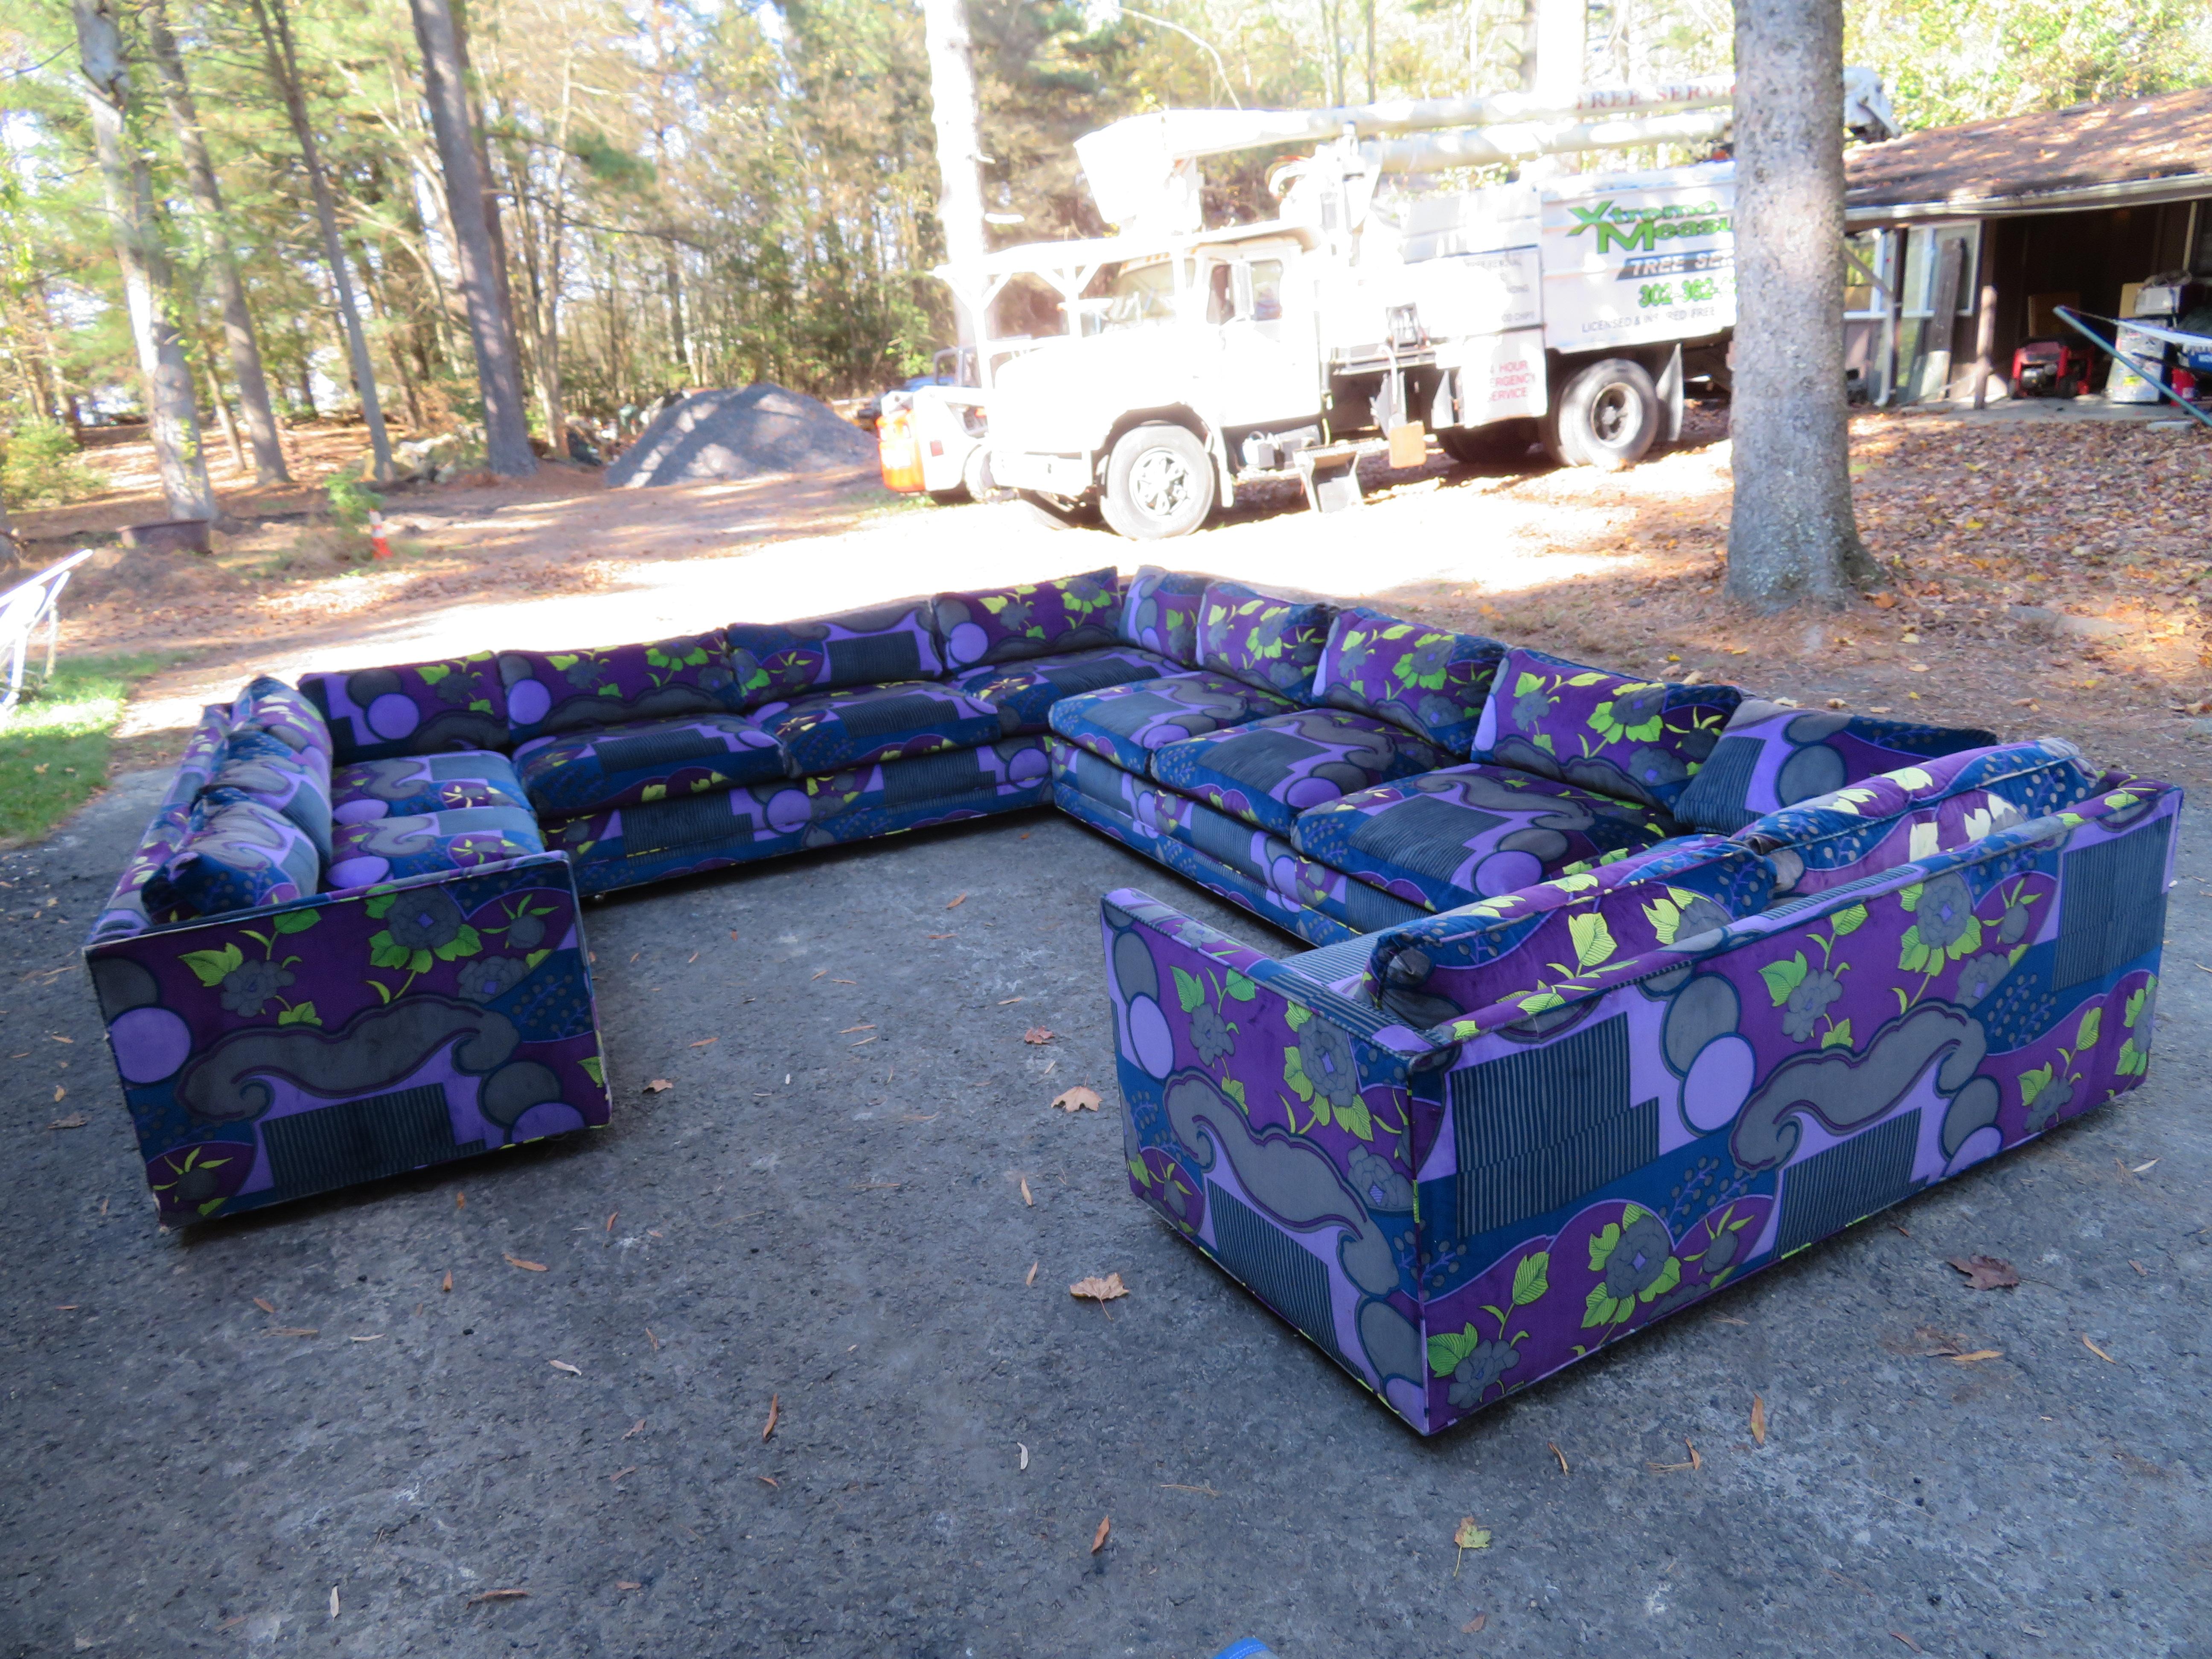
(22, 610)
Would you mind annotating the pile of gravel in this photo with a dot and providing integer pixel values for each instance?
(741, 434)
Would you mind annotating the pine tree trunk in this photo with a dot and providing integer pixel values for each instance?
(1792, 537)
(959, 141)
(284, 67)
(221, 264)
(506, 428)
(172, 413)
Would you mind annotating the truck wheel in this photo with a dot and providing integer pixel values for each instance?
(1607, 416)
(1502, 443)
(1159, 483)
(976, 476)
(1057, 511)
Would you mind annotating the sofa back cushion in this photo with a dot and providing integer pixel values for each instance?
(1160, 612)
(1032, 619)
(1272, 643)
(1912, 814)
(1771, 756)
(234, 855)
(412, 708)
(269, 705)
(773, 662)
(1430, 681)
(1531, 946)
(554, 691)
(1614, 735)
(257, 766)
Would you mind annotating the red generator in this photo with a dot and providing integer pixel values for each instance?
(2050, 368)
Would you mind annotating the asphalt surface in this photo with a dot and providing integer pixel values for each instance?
(825, 1210)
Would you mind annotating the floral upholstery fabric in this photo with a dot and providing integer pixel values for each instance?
(1769, 758)
(258, 766)
(234, 855)
(409, 786)
(1034, 619)
(1160, 612)
(392, 849)
(1638, 740)
(348, 1036)
(413, 708)
(1262, 641)
(647, 761)
(1126, 723)
(1431, 682)
(774, 661)
(634, 844)
(828, 731)
(1023, 693)
(1268, 771)
(125, 911)
(1463, 833)
(550, 692)
(269, 705)
(1908, 814)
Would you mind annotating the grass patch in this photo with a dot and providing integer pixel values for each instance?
(53, 750)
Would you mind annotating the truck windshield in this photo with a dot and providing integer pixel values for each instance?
(1139, 294)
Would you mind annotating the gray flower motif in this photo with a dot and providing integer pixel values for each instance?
(1432, 655)
(1700, 916)
(1474, 1375)
(488, 977)
(2057, 1095)
(2012, 927)
(1209, 1034)
(248, 986)
(1353, 653)
(1639, 708)
(526, 931)
(1375, 1180)
(2146, 1025)
(1719, 1253)
(1529, 709)
(1325, 1052)
(424, 918)
(1014, 616)
(1436, 712)
(1085, 590)
(1981, 976)
(1655, 768)
(1639, 1259)
(1808, 1002)
(1946, 908)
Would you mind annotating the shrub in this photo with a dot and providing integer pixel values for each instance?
(42, 468)
(352, 501)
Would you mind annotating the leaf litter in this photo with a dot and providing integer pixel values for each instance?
(1987, 1272)
(1469, 1536)
(1100, 1290)
(1078, 1099)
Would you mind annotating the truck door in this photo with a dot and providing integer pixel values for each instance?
(1263, 368)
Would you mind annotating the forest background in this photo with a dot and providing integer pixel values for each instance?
(711, 194)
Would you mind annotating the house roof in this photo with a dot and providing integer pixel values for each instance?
(2147, 149)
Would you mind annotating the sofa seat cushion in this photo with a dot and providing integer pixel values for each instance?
(234, 855)
(391, 850)
(1430, 681)
(257, 765)
(1770, 757)
(1634, 739)
(1023, 693)
(646, 761)
(1125, 724)
(628, 845)
(826, 732)
(1034, 619)
(1268, 771)
(1263, 639)
(550, 692)
(410, 786)
(1160, 612)
(1463, 833)
(412, 708)
(773, 662)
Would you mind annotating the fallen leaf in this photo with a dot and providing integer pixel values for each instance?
(74, 1120)
(460, 1201)
(1026, 1199)
(2098, 1352)
(298, 1330)
(775, 1410)
(1561, 1456)
(563, 1365)
(1078, 1099)
(2139, 1267)
(447, 1285)
(58, 1092)
(632, 1583)
(1978, 1354)
(334, 1601)
(769, 1480)
(1008, 1002)
(266, 1305)
(1100, 1290)
(1695, 1461)
(526, 1267)
(378, 1337)
(1474, 1624)
(659, 1085)
(1029, 1280)
(2140, 1168)
(944, 936)
(957, 902)
(1037, 1034)
(651, 1337)
(1987, 1272)
(849, 1029)
(703, 1042)
(612, 1214)
(1024, 1451)
(1758, 1419)
(1468, 1537)
(498, 1595)
(618, 1473)
(1907, 1640)
(1099, 1538)
(637, 1427)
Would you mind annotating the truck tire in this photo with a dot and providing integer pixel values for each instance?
(1501, 444)
(1159, 483)
(1057, 511)
(976, 476)
(1607, 416)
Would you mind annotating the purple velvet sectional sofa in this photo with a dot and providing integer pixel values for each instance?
(1619, 990)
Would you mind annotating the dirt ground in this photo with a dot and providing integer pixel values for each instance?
(2047, 575)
